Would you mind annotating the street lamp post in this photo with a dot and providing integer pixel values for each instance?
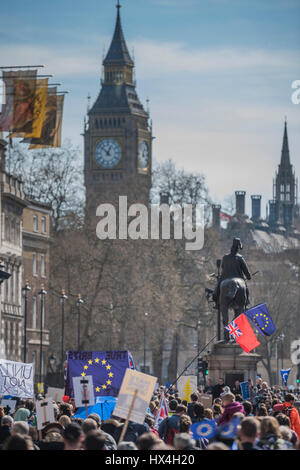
(79, 302)
(42, 293)
(63, 297)
(25, 289)
(111, 308)
(146, 315)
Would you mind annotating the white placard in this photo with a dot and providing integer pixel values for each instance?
(16, 379)
(132, 381)
(44, 413)
(83, 391)
(56, 393)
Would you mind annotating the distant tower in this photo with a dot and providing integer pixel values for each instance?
(117, 138)
(284, 188)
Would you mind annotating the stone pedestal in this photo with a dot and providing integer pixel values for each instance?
(229, 362)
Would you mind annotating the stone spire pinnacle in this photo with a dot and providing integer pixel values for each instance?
(118, 52)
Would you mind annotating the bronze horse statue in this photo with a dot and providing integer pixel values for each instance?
(231, 291)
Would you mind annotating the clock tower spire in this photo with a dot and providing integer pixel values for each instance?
(117, 138)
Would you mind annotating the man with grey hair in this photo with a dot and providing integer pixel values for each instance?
(20, 427)
(184, 441)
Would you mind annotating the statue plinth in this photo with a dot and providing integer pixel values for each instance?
(229, 362)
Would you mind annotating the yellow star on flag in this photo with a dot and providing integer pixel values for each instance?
(108, 382)
(108, 367)
(97, 389)
(85, 367)
(103, 386)
(90, 362)
(104, 361)
(83, 374)
(97, 360)
(110, 374)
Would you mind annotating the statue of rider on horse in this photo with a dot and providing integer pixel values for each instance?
(231, 290)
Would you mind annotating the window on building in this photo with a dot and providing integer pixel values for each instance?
(33, 357)
(43, 224)
(35, 223)
(34, 312)
(34, 264)
(43, 265)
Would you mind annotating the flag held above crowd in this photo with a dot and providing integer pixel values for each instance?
(261, 319)
(240, 330)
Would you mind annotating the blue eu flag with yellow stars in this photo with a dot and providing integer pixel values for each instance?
(261, 319)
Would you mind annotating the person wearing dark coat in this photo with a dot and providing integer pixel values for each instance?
(218, 388)
(5, 428)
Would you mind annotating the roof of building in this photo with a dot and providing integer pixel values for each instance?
(118, 51)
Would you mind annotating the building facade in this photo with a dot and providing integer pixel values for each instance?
(36, 260)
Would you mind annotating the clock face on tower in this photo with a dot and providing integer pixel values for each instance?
(108, 153)
(143, 157)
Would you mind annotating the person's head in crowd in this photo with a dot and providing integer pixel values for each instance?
(218, 401)
(248, 408)
(194, 397)
(217, 446)
(269, 425)
(65, 409)
(184, 402)
(198, 411)
(217, 410)
(29, 404)
(183, 441)
(147, 440)
(52, 427)
(173, 405)
(228, 398)
(249, 430)
(20, 427)
(110, 426)
(290, 398)
(64, 420)
(238, 415)
(88, 425)
(283, 420)
(33, 433)
(274, 402)
(149, 420)
(264, 386)
(286, 433)
(2, 413)
(94, 440)
(181, 410)
(208, 413)
(7, 421)
(77, 420)
(239, 398)
(73, 436)
(53, 436)
(185, 423)
(262, 410)
(16, 442)
(178, 400)
(127, 446)
(220, 381)
(22, 414)
(96, 418)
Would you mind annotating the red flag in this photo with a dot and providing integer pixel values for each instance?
(241, 330)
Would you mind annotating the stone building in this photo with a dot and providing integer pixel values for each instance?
(36, 260)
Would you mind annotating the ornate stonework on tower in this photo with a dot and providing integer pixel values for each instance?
(117, 134)
(282, 208)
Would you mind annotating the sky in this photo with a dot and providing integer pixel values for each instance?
(218, 74)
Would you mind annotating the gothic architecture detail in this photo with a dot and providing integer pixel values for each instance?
(117, 134)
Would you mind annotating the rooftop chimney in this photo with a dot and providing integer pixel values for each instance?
(240, 202)
(216, 215)
(256, 206)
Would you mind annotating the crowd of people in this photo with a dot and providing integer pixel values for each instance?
(267, 420)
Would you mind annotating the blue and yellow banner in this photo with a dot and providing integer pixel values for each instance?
(261, 319)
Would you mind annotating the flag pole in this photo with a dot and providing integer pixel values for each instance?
(198, 354)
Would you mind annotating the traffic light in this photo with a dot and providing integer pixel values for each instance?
(200, 364)
(205, 368)
(298, 379)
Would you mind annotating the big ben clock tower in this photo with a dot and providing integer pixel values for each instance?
(117, 136)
